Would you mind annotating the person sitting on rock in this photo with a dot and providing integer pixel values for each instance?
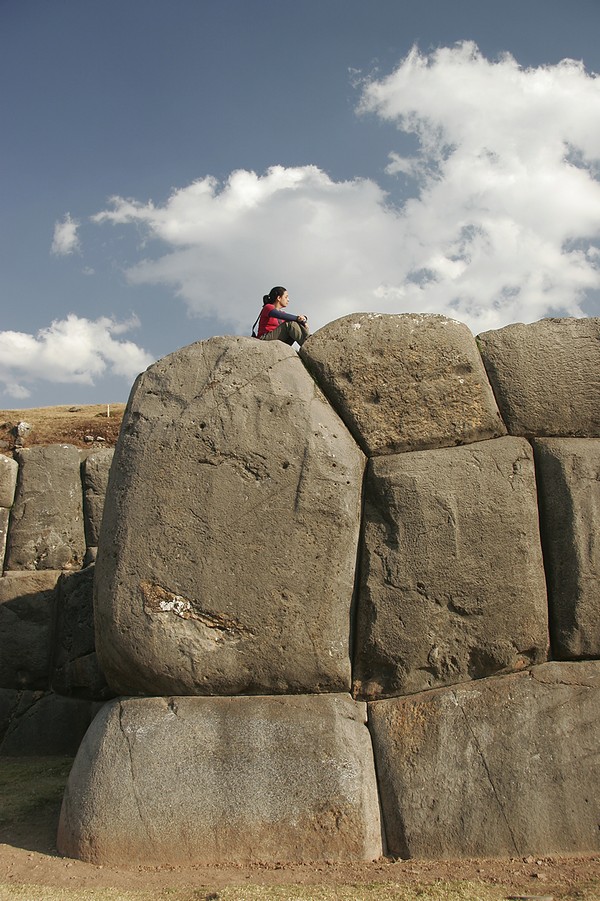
(274, 324)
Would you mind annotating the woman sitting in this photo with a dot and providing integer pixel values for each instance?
(274, 324)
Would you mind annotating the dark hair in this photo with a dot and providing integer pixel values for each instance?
(274, 294)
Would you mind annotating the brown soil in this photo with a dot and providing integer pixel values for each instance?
(63, 425)
(28, 857)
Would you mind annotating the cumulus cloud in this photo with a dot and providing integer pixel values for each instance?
(65, 240)
(74, 350)
(502, 224)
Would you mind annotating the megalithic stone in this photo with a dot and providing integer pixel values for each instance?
(506, 766)
(230, 529)
(545, 376)
(569, 485)
(404, 382)
(452, 580)
(46, 525)
(223, 780)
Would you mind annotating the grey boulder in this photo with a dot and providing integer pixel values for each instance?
(75, 670)
(404, 382)
(9, 469)
(46, 525)
(545, 376)
(95, 470)
(223, 780)
(36, 723)
(230, 529)
(27, 610)
(569, 484)
(452, 578)
(502, 767)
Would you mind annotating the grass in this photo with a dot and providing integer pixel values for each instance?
(30, 785)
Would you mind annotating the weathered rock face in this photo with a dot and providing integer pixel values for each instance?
(569, 483)
(76, 671)
(42, 723)
(243, 779)
(505, 766)
(545, 376)
(95, 470)
(46, 528)
(452, 578)
(9, 469)
(404, 383)
(27, 607)
(228, 544)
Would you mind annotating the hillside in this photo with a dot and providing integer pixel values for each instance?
(63, 425)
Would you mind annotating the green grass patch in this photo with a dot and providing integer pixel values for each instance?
(29, 785)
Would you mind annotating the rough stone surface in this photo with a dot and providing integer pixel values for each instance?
(9, 469)
(95, 470)
(36, 723)
(27, 609)
(76, 671)
(229, 537)
(46, 526)
(546, 376)
(404, 382)
(223, 780)
(504, 766)
(452, 580)
(4, 520)
(569, 488)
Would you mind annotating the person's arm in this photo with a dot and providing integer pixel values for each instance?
(289, 317)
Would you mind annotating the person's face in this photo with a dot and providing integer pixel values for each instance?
(284, 299)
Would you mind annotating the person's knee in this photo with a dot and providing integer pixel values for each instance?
(295, 332)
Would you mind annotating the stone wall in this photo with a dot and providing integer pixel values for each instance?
(50, 681)
(358, 579)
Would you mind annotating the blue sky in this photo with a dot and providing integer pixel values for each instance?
(165, 162)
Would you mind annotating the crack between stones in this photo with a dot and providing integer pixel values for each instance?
(488, 774)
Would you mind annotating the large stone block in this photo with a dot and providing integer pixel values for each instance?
(404, 382)
(27, 610)
(95, 470)
(46, 526)
(569, 487)
(506, 766)
(452, 580)
(223, 780)
(76, 671)
(4, 520)
(229, 537)
(36, 723)
(544, 376)
(9, 469)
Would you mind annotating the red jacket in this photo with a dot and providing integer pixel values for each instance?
(266, 322)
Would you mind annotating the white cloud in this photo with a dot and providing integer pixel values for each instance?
(65, 240)
(74, 350)
(502, 227)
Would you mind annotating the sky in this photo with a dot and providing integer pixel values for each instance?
(166, 162)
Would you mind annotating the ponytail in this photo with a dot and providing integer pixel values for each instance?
(273, 295)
